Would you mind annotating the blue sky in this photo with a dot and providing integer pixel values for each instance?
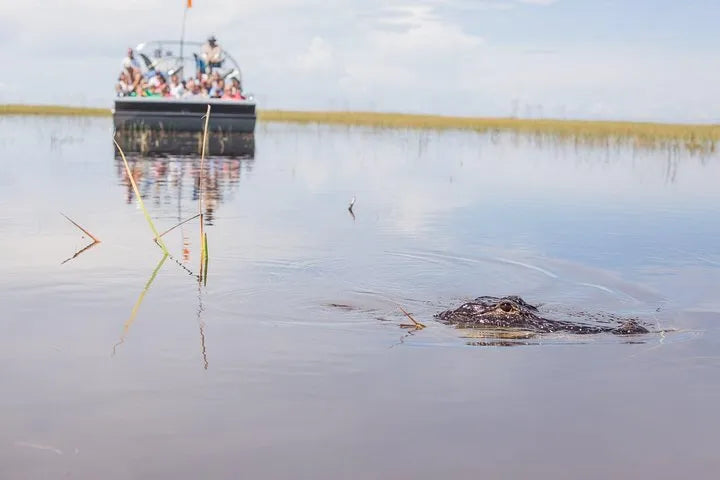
(633, 59)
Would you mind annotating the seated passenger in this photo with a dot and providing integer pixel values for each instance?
(125, 85)
(190, 86)
(160, 87)
(236, 84)
(205, 83)
(177, 89)
(217, 88)
(193, 88)
(153, 77)
(140, 90)
(137, 79)
(232, 93)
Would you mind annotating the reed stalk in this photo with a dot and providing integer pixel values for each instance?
(205, 259)
(158, 240)
(95, 239)
(417, 325)
(201, 182)
(178, 225)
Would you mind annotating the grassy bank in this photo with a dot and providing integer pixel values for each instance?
(54, 110)
(694, 137)
(689, 136)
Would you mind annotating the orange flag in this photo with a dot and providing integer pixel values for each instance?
(189, 4)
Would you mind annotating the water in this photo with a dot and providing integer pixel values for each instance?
(258, 375)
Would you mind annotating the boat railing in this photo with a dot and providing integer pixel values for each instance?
(162, 55)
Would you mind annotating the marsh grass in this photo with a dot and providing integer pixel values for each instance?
(158, 240)
(693, 137)
(60, 110)
(643, 134)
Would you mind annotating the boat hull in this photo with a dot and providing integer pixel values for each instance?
(180, 115)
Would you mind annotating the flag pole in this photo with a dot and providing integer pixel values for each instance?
(188, 6)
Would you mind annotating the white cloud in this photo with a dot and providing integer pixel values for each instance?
(318, 56)
(422, 34)
(410, 51)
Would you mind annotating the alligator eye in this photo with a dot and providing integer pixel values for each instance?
(506, 307)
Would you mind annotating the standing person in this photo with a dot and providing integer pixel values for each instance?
(212, 53)
(130, 63)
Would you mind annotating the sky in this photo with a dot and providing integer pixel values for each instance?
(650, 60)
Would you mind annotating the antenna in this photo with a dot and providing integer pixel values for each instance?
(188, 6)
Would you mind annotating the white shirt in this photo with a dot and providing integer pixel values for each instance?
(212, 54)
(128, 63)
(177, 90)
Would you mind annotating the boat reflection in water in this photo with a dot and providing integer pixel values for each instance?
(146, 141)
(168, 166)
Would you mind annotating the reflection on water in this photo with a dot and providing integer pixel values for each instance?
(81, 251)
(159, 142)
(291, 363)
(165, 180)
(136, 307)
(201, 327)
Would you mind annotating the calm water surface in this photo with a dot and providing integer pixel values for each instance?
(258, 375)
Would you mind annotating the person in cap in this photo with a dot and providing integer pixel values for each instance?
(212, 53)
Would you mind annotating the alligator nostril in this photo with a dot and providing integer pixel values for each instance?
(506, 307)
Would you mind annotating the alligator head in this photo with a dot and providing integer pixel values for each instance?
(514, 312)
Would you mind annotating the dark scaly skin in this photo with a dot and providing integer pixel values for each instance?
(514, 312)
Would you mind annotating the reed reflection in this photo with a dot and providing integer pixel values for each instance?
(81, 251)
(136, 307)
(201, 326)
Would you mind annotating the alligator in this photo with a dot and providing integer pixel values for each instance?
(514, 312)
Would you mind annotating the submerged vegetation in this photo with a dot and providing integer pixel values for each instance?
(693, 137)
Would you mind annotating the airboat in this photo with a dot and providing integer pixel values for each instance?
(184, 114)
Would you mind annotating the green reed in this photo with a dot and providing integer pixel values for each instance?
(158, 240)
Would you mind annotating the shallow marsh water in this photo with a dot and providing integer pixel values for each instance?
(258, 375)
